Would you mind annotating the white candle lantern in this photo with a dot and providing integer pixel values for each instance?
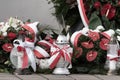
(61, 56)
(112, 55)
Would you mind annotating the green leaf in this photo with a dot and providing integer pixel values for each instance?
(94, 21)
(106, 22)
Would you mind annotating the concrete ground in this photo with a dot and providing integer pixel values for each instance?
(7, 76)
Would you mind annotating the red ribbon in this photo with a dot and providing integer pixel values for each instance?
(116, 58)
(76, 40)
(62, 53)
(38, 54)
(28, 39)
(25, 56)
(44, 44)
(82, 13)
(30, 30)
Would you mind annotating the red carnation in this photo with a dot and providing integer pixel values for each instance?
(7, 47)
(91, 55)
(88, 44)
(11, 35)
(103, 43)
(94, 35)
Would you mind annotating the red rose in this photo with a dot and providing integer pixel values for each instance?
(94, 35)
(7, 47)
(91, 55)
(103, 43)
(88, 44)
(97, 5)
(11, 35)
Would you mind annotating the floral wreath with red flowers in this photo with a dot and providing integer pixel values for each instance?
(103, 13)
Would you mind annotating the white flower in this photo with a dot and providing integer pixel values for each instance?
(5, 27)
(4, 34)
(1, 26)
(14, 22)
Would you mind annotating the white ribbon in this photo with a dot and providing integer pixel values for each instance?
(16, 56)
(82, 13)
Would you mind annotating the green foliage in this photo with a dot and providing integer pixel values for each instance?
(71, 15)
(94, 21)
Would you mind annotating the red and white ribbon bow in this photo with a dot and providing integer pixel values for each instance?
(57, 53)
(24, 58)
(82, 13)
(39, 52)
(24, 48)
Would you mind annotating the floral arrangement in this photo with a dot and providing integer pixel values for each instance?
(103, 12)
(9, 31)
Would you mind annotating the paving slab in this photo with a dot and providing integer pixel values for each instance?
(31, 77)
(57, 77)
(7, 76)
(84, 77)
(110, 77)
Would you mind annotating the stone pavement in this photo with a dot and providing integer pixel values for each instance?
(6, 76)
